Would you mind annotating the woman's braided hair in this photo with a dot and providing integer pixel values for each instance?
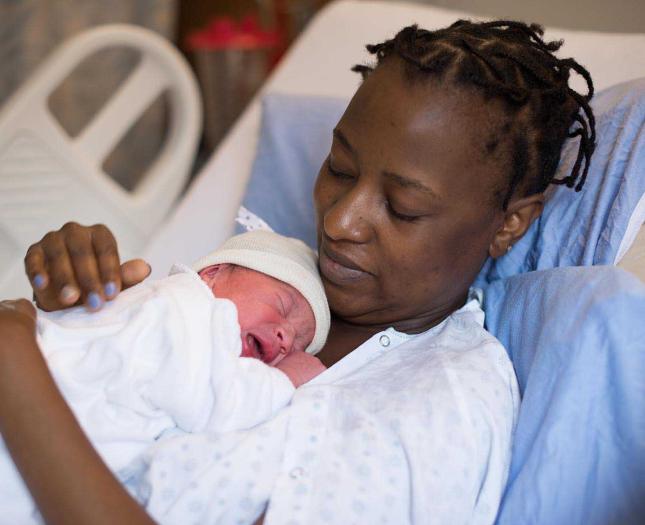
(509, 60)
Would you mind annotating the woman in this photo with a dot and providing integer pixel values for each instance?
(440, 160)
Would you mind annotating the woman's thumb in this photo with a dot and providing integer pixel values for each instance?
(133, 272)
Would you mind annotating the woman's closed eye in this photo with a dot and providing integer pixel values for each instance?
(338, 173)
(400, 216)
(404, 208)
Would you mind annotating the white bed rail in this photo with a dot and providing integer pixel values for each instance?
(48, 177)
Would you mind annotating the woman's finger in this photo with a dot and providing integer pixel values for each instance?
(38, 273)
(62, 283)
(78, 240)
(133, 272)
(107, 256)
(35, 267)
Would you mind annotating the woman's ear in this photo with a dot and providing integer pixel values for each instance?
(518, 217)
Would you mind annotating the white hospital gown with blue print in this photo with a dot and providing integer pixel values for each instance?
(164, 355)
(405, 429)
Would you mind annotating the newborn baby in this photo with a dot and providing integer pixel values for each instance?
(281, 306)
(216, 348)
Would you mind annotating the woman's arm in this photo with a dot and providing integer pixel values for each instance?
(66, 477)
(79, 265)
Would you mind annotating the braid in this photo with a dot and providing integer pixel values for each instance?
(510, 61)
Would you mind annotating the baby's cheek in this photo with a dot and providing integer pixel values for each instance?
(251, 316)
(301, 367)
(305, 334)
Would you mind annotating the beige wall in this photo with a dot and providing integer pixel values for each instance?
(625, 16)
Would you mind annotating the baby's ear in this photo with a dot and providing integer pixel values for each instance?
(209, 273)
(517, 219)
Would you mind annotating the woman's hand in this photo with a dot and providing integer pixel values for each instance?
(19, 314)
(65, 475)
(79, 265)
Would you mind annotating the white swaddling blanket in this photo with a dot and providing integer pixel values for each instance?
(162, 355)
(403, 430)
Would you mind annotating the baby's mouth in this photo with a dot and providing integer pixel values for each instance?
(250, 346)
(253, 346)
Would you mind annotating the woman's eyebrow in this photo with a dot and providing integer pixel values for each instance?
(407, 182)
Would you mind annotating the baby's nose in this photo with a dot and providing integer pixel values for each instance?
(285, 336)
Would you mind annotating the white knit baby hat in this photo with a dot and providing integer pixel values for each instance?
(285, 258)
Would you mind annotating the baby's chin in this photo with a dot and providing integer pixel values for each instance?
(277, 359)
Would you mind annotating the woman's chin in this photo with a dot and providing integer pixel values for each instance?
(348, 305)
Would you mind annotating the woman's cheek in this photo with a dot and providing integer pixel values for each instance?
(322, 192)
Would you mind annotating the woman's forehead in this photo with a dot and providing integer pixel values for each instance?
(389, 95)
(421, 125)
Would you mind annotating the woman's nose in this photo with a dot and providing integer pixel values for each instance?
(347, 218)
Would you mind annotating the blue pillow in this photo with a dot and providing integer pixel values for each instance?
(586, 228)
(575, 229)
(577, 340)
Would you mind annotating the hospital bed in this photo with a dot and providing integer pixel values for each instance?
(579, 455)
(319, 64)
(40, 164)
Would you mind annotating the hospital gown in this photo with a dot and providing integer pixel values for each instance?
(162, 356)
(405, 429)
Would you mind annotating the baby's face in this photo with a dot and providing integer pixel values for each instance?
(275, 319)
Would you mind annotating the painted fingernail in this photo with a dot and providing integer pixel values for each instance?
(39, 281)
(110, 289)
(69, 294)
(94, 301)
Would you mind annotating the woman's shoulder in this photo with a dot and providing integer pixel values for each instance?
(459, 348)
(457, 368)
(459, 351)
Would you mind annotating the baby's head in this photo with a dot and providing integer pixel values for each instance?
(274, 283)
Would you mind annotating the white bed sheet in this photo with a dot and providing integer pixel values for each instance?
(319, 64)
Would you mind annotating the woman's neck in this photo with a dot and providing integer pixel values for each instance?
(342, 339)
(345, 336)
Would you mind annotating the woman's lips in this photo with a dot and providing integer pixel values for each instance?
(338, 268)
